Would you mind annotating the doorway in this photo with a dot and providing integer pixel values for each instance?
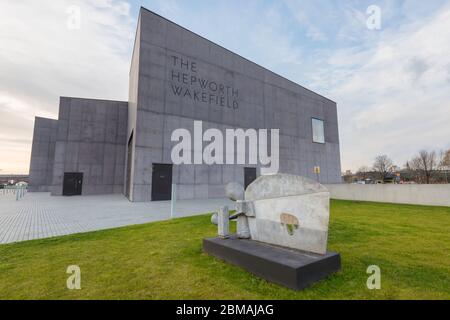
(73, 183)
(249, 176)
(129, 163)
(161, 182)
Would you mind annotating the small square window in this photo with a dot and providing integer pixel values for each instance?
(318, 131)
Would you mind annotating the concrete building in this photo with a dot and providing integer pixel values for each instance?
(176, 77)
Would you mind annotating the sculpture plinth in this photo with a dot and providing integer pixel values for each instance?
(287, 267)
(282, 231)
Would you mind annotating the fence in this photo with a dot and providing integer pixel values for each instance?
(433, 195)
(18, 191)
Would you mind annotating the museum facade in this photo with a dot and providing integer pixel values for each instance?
(177, 77)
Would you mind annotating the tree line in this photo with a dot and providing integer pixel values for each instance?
(426, 167)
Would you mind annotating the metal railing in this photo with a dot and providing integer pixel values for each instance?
(18, 191)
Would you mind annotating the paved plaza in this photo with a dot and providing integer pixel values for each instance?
(39, 215)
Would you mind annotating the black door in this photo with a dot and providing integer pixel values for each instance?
(249, 176)
(162, 182)
(73, 183)
(129, 162)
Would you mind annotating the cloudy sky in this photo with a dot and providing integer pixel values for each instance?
(392, 85)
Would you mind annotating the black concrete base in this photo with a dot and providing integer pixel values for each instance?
(290, 268)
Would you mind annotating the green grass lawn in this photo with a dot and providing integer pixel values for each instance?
(164, 260)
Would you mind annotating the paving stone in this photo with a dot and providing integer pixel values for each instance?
(39, 215)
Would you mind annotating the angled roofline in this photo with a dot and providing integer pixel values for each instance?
(92, 99)
(135, 37)
(291, 81)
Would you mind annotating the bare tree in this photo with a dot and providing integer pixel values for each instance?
(363, 173)
(444, 164)
(408, 173)
(425, 164)
(446, 159)
(384, 166)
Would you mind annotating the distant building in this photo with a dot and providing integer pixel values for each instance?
(11, 179)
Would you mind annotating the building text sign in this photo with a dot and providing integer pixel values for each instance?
(188, 83)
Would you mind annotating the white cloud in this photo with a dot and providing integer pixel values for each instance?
(41, 59)
(397, 101)
(392, 85)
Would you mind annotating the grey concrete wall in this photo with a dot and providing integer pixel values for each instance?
(265, 100)
(91, 139)
(433, 195)
(42, 154)
(194, 181)
(132, 109)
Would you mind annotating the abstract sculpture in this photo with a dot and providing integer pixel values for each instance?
(278, 215)
(285, 210)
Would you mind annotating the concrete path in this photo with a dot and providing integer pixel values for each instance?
(39, 215)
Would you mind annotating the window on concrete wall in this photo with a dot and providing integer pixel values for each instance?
(318, 131)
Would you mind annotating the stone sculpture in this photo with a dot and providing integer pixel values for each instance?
(285, 210)
(282, 230)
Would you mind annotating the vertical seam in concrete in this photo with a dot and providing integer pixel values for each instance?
(134, 132)
(116, 144)
(164, 101)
